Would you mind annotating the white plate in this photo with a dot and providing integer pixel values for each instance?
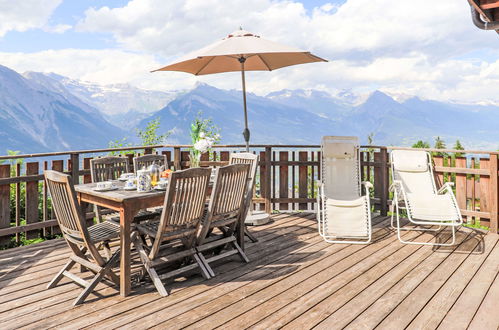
(105, 189)
(159, 188)
(130, 188)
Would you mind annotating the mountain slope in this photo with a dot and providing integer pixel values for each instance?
(299, 116)
(269, 121)
(37, 116)
(116, 98)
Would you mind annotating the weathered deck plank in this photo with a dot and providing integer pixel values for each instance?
(294, 280)
(433, 313)
(470, 299)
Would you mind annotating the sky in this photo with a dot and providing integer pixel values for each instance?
(426, 48)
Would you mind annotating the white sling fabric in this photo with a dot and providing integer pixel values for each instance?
(412, 168)
(346, 211)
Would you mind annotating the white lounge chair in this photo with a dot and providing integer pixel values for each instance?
(344, 214)
(415, 191)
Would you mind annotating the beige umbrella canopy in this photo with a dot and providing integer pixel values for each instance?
(241, 51)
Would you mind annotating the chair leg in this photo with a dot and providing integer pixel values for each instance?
(98, 215)
(206, 270)
(250, 235)
(241, 252)
(107, 250)
(111, 263)
(151, 271)
(90, 287)
(106, 270)
(399, 236)
(60, 274)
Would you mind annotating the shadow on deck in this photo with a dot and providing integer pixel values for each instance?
(294, 280)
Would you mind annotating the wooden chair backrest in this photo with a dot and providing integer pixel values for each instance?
(185, 198)
(246, 158)
(252, 160)
(147, 160)
(108, 168)
(66, 207)
(227, 197)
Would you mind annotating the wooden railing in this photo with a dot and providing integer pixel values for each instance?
(286, 181)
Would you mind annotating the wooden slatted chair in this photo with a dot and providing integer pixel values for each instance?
(147, 160)
(111, 168)
(106, 169)
(81, 239)
(183, 211)
(225, 212)
(252, 160)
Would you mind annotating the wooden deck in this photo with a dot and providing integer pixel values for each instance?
(295, 280)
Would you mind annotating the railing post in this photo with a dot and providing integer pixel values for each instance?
(493, 191)
(384, 182)
(75, 168)
(31, 199)
(4, 203)
(268, 171)
(177, 165)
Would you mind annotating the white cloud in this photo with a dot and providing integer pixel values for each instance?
(414, 47)
(103, 66)
(359, 28)
(59, 28)
(25, 14)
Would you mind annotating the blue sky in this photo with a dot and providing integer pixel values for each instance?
(398, 47)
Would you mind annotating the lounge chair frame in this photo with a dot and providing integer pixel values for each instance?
(322, 199)
(400, 202)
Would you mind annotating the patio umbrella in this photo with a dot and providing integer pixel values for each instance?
(241, 51)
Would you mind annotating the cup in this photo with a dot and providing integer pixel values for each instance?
(104, 185)
(162, 184)
(130, 183)
(127, 176)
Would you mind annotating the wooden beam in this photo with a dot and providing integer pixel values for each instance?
(494, 200)
(491, 4)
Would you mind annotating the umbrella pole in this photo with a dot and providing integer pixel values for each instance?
(246, 132)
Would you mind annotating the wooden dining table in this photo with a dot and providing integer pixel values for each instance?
(128, 203)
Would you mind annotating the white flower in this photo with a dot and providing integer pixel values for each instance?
(202, 134)
(217, 136)
(202, 145)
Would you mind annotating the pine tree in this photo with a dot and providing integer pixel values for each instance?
(439, 144)
(458, 146)
(421, 144)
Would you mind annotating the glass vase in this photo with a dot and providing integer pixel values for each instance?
(194, 159)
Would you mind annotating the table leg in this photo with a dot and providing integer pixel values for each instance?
(126, 218)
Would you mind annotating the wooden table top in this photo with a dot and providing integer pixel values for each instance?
(119, 195)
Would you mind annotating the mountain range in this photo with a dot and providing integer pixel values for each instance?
(47, 112)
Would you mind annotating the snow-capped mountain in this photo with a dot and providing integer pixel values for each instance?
(48, 112)
(116, 98)
(300, 116)
(36, 116)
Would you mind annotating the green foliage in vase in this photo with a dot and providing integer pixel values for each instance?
(204, 134)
